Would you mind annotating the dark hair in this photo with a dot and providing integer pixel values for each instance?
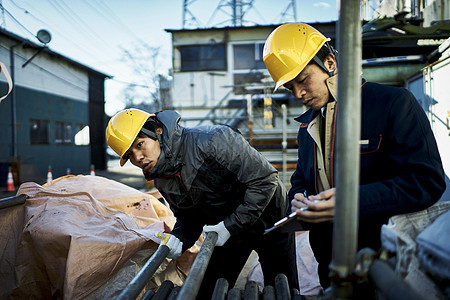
(323, 53)
(150, 124)
(149, 129)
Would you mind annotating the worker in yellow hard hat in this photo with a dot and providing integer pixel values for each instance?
(214, 181)
(400, 167)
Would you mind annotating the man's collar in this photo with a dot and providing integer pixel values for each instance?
(331, 83)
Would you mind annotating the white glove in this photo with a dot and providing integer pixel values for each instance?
(171, 241)
(222, 232)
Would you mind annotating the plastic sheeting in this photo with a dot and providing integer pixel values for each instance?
(434, 247)
(398, 237)
(82, 236)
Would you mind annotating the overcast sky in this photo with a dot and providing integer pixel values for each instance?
(96, 32)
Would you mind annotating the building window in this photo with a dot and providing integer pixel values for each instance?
(203, 58)
(39, 131)
(248, 66)
(82, 135)
(248, 56)
(63, 133)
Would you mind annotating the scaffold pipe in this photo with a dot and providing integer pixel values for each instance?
(139, 281)
(191, 285)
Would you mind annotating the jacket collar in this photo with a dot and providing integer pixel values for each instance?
(170, 159)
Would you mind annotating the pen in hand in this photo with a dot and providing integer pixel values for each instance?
(291, 216)
(305, 193)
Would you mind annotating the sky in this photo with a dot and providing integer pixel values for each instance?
(99, 33)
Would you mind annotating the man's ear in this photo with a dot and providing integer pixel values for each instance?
(330, 62)
(158, 130)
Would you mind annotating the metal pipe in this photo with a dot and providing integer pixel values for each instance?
(347, 147)
(234, 294)
(164, 290)
(148, 295)
(284, 142)
(174, 293)
(220, 289)
(251, 291)
(389, 284)
(137, 284)
(191, 285)
(12, 201)
(268, 293)
(282, 287)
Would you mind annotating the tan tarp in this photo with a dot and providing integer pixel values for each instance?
(82, 236)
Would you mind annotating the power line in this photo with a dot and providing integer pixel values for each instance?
(114, 19)
(49, 72)
(64, 9)
(17, 21)
(61, 35)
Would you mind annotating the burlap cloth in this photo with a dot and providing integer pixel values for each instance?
(82, 237)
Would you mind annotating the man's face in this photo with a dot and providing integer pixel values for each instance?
(309, 87)
(144, 153)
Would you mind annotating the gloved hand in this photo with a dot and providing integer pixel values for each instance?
(222, 232)
(171, 241)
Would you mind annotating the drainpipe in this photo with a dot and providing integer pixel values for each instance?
(13, 101)
(345, 231)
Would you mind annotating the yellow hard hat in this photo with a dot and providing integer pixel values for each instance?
(123, 129)
(289, 48)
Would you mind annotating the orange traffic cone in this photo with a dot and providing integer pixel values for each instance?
(49, 174)
(92, 170)
(10, 183)
(68, 171)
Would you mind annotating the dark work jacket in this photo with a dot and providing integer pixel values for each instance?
(400, 166)
(210, 174)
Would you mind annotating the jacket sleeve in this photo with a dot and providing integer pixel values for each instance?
(251, 169)
(187, 231)
(298, 182)
(413, 172)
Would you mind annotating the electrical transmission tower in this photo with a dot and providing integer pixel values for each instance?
(189, 20)
(235, 11)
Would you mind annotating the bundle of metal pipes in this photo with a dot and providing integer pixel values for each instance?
(167, 291)
(191, 286)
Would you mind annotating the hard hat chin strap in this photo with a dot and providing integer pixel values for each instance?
(320, 64)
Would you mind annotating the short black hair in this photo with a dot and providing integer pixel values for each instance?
(149, 129)
(323, 52)
(150, 124)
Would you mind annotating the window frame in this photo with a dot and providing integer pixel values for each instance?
(66, 131)
(40, 140)
(203, 61)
